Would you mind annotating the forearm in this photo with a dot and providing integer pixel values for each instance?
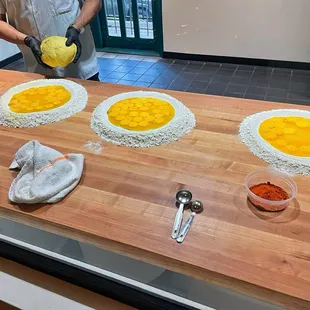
(88, 12)
(10, 34)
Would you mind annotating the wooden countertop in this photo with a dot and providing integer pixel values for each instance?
(125, 200)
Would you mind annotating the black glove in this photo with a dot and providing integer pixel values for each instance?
(35, 45)
(73, 37)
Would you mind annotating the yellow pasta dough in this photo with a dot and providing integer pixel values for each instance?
(55, 53)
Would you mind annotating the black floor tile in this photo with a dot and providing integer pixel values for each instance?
(199, 84)
(279, 83)
(187, 75)
(203, 77)
(109, 80)
(297, 101)
(300, 73)
(243, 74)
(164, 80)
(104, 73)
(131, 77)
(239, 81)
(131, 63)
(108, 67)
(282, 71)
(117, 62)
(274, 92)
(262, 69)
(140, 71)
(232, 94)
(176, 67)
(145, 64)
(276, 99)
(299, 95)
(216, 88)
(300, 86)
(159, 86)
(123, 69)
(155, 72)
(212, 65)
(168, 74)
(259, 82)
(124, 82)
(225, 72)
(216, 92)
(181, 62)
(300, 79)
(147, 78)
(229, 66)
(254, 90)
(195, 90)
(103, 61)
(236, 88)
(196, 64)
(160, 66)
(221, 79)
(142, 84)
(246, 68)
(254, 96)
(116, 75)
(207, 70)
(191, 69)
(261, 75)
(177, 86)
(166, 61)
(182, 82)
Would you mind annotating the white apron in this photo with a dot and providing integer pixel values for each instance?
(44, 18)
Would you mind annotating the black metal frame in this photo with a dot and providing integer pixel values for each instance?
(103, 39)
(106, 287)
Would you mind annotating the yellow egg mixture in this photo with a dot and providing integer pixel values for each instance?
(141, 114)
(290, 135)
(39, 99)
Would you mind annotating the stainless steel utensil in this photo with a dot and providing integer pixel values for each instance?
(196, 207)
(183, 197)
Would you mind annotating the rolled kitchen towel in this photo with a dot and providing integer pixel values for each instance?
(46, 176)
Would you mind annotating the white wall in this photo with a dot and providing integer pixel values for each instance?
(266, 29)
(7, 50)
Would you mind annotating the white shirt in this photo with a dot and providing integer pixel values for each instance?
(44, 18)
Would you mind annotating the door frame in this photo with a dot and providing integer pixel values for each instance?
(102, 39)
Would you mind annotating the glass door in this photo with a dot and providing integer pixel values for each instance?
(134, 24)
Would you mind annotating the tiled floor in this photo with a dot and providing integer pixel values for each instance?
(262, 83)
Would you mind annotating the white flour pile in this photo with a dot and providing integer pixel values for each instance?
(76, 104)
(262, 149)
(182, 123)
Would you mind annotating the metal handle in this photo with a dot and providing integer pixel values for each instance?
(186, 228)
(177, 222)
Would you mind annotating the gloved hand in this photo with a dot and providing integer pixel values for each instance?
(73, 37)
(35, 45)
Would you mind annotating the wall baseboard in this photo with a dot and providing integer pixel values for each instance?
(239, 60)
(10, 60)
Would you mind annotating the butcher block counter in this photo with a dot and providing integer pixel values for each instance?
(125, 199)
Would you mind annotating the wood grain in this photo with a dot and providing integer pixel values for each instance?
(125, 200)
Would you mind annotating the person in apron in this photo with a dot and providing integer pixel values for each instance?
(28, 22)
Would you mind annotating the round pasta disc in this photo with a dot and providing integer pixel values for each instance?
(249, 133)
(77, 103)
(182, 123)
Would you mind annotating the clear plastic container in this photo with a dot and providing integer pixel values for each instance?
(274, 177)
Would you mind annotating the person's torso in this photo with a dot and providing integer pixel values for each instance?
(44, 18)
